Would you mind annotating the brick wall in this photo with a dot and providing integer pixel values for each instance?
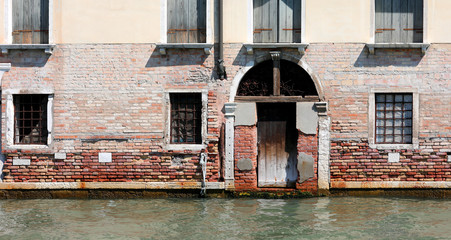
(110, 98)
(308, 144)
(246, 147)
(356, 161)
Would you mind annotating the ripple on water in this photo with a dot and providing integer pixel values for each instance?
(314, 218)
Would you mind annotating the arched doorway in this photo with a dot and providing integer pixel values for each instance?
(276, 88)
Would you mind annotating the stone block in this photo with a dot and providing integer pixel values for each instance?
(245, 114)
(60, 156)
(21, 162)
(244, 164)
(306, 117)
(393, 157)
(105, 157)
(305, 167)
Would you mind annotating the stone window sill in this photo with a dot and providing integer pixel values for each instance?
(423, 46)
(164, 46)
(394, 146)
(251, 46)
(184, 147)
(48, 48)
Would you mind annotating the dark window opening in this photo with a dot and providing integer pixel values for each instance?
(186, 118)
(30, 21)
(294, 81)
(30, 119)
(394, 118)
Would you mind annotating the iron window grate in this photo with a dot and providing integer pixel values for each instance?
(394, 118)
(30, 119)
(186, 114)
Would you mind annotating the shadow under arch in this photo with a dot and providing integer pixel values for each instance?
(265, 57)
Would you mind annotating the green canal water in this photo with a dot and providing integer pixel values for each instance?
(313, 218)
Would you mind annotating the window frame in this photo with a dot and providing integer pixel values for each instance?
(10, 119)
(9, 24)
(372, 118)
(19, 122)
(164, 24)
(250, 26)
(186, 146)
(373, 26)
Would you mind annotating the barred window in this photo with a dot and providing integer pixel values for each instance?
(394, 118)
(186, 118)
(30, 119)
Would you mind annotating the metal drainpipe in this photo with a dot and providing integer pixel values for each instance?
(220, 65)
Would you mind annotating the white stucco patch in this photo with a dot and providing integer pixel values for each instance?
(21, 162)
(306, 117)
(393, 157)
(105, 157)
(60, 156)
(245, 114)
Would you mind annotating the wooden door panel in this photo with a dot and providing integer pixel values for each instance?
(275, 165)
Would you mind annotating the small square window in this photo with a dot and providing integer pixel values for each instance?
(30, 119)
(186, 118)
(394, 118)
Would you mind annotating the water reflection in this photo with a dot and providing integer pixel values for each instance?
(315, 218)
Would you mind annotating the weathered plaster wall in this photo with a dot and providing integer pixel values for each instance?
(235, 21)
(437, 21)
(337, 21)
(2, 22)
(107, 21)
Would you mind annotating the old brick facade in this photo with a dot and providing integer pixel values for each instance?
(114, 98)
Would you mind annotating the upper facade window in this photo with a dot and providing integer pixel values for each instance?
(277, 21)
(30, 119)
(394, 118)
(186, 21)
(399, 21)
(30, 21)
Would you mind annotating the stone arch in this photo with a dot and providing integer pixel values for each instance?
(265, 57)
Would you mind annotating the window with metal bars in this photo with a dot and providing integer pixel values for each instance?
(186, 118)
(394, 118)
(30, 119)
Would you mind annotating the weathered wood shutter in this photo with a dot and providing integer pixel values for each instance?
(186, 21)
(30, 21)
(399, 21)
(277, 21)
(265, 21)
(290, 21)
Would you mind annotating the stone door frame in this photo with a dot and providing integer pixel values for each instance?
(323, 123)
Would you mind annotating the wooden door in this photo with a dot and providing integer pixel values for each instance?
(276, 159)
